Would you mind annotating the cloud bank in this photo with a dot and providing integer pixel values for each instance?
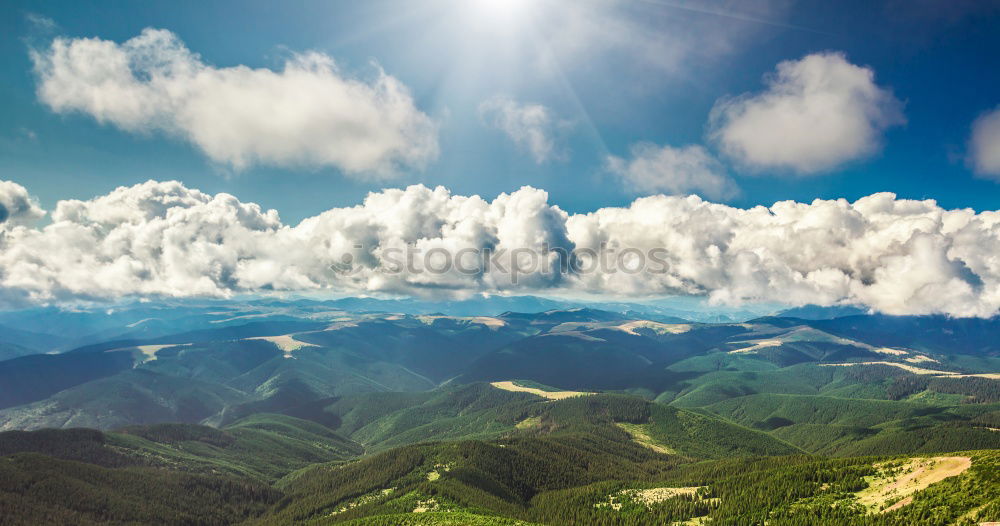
(532, 127)
(817, 113)
(984, 145)
(163, 239)
(307, 114)
(665, 169)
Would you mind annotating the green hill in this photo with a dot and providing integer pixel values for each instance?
(540, 480)
(594, 459)
(37, 489)
(31, 378)
(263, 446)
(135, 396)
(846, 426)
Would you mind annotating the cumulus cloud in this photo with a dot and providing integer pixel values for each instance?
(307, 114)
(665, 169)
(532, 127)
(16, 206)
(984, 145)
(163, 239)
(817, 113)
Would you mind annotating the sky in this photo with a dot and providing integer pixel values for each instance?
(310, 108)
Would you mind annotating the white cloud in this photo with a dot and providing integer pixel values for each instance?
(665, 169)
(40, 23)
(984, 145)
(163, 239)
(817, 113)
(16, 206)
(307, 114)
(531, 126)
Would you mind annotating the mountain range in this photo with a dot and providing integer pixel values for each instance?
(305, 411)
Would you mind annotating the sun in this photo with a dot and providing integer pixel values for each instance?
(501, 8)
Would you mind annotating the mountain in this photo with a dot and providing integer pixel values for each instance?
(816, 312)
(14, 342)
(940, 334)
(49, 329)
(30, 378)
(298, 411)
(13, 350)
(163, 474)
(540, 475)
(483, 411)
(291, 364)
(475, 306)
(135, 396)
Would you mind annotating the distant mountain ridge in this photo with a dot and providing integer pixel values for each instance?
(280, 356)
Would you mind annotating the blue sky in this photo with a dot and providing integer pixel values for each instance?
(938, 59)
(179, 149)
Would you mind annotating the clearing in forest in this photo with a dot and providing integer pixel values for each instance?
(756, 346)
(656, 327)
(285, 342)
(918, 370)
(903, 366)
(489, 321)
(149, 351)
(551, 395)
(647, 497)
(899, 483)
(532, 422)
(641, 436)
